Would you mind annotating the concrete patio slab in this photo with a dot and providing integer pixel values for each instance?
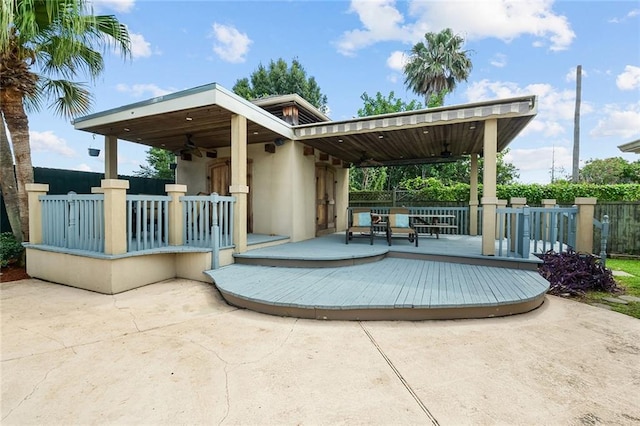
(175, 353)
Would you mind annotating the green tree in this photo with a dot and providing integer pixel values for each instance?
(610, 171)
(44, 46)
(280, 79)
(378, 178)
(437, 64)
(159, 161)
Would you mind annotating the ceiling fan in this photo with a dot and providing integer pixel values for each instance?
(367, 161)
(445, 153)
(190, 148)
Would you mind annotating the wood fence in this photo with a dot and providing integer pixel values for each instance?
(624, 217)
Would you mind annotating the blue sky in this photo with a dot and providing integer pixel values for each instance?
(516, 47)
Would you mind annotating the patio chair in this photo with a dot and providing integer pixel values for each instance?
(359, 224)
(399, 223)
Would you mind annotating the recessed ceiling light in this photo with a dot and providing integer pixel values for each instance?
(189, 119)
(340, 141)
(381, 137)
(472, 127)
(425, 131)
(255, 133)
(126, 129)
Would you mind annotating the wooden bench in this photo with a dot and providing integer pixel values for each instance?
(423, 226)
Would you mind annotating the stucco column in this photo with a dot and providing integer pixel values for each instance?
(584, 227)
(35, 190)
(516, 203)
(473, 196)
(176, 219)
(115, 215)
(110, 157)
(239, 188)
(489, 191)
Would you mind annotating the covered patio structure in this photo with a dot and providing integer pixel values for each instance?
(221, 123)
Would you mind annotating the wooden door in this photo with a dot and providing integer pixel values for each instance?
(325, 200)
(220, 180)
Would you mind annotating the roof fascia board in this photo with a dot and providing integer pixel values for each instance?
(506, 108)
(191, 98)
(237, 105)
(630, 147)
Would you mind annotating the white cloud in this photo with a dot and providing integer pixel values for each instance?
(629, 79)
(632, 14)
(572, 75)
(47, 141)
(543, 158)
(381, 22)
(556, 108)
(618, 122)
(397, 60)
(231, 45)
(140, 90)
(121, 6)
(499, 60)
(502, 19)
(140, 48)
(82, 168)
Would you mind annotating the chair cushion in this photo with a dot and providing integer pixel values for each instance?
(402, 220)
(362, 219)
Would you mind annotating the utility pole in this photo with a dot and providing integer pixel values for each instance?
(576, 127)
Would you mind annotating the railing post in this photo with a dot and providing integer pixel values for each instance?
(584, 228)
(176, 220)
(525, 241)
(516, 203)
(501, 204)
(547, 203)
(604, 235)
(115, 215)
(215, 232)
(34, 191)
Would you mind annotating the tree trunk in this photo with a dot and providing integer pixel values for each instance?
(8, 185)
(576, 127)
(18, 125)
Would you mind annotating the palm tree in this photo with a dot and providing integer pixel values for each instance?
(436, 65)
(45, 45)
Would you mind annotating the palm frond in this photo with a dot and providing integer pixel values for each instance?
(69, 99)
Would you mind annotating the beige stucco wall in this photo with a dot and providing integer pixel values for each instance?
(111, 276)
(282, 189)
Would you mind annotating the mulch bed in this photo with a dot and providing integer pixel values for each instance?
(13, 273)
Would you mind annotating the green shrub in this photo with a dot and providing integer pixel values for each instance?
(10, 249)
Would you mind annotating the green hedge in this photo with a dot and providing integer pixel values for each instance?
(563, 193)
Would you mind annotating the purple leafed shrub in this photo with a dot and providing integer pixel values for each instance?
(576, 273)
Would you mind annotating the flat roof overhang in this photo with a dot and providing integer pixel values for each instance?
(630, 147)
(415, 137)
(409, 137)
(204, 112)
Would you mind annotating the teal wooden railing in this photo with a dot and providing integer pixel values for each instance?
(208, 222)
(461, 214)
(73, 221)
(147, 222)
(522, 230)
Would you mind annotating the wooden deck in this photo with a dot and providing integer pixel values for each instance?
(324, 278)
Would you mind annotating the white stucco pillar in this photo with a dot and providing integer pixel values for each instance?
(584, 228)
(473, 196)
(489, 191)
(115, 215)
(238, 187)
(34, 191)
(110, 157)
(176, 218)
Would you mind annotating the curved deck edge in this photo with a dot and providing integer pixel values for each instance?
(386, 314)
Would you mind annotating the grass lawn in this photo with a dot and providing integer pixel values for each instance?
(631, 286)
